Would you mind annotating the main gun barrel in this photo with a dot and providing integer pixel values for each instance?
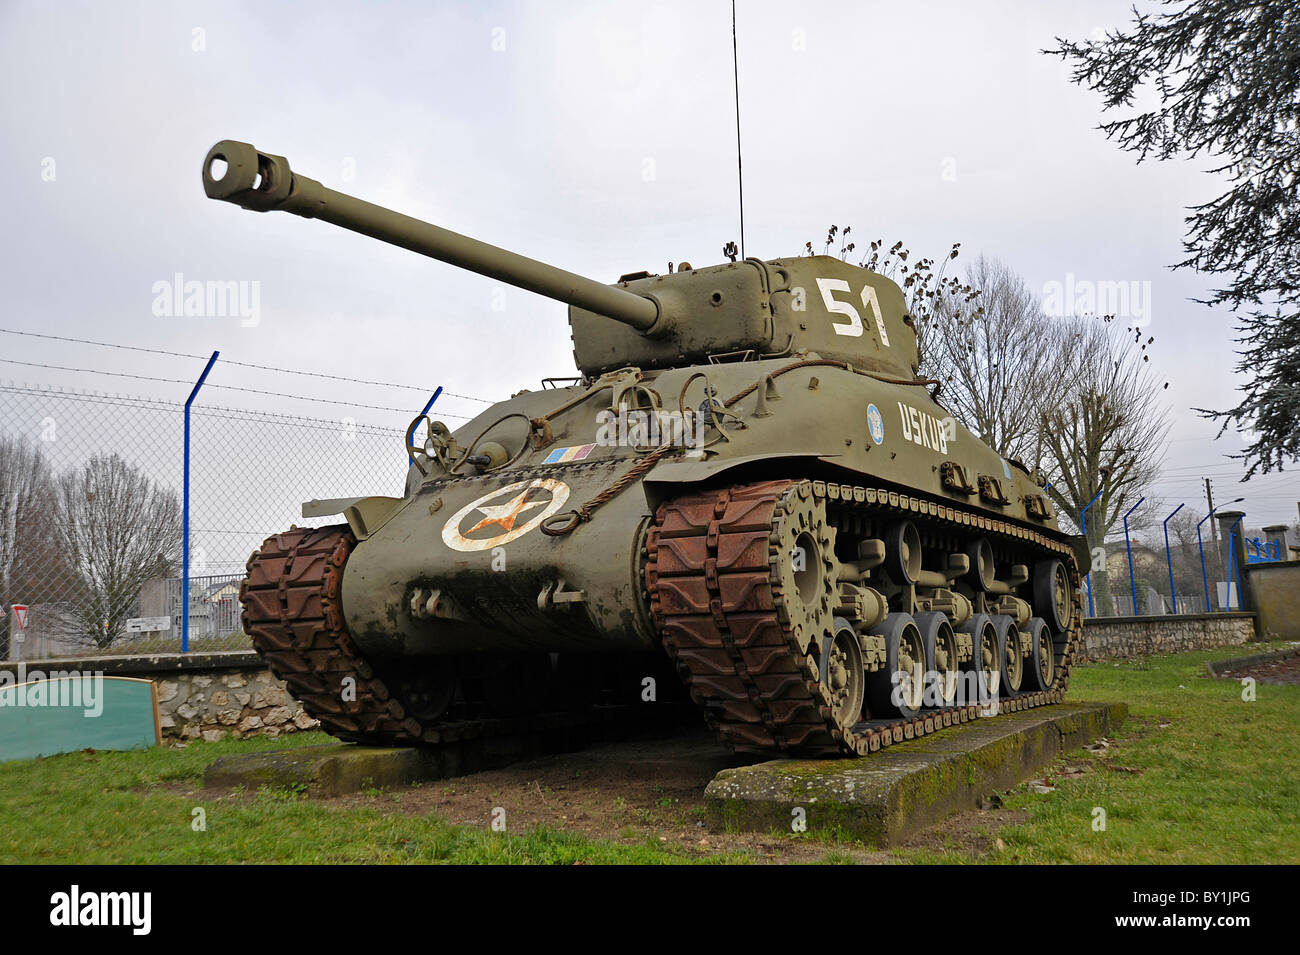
(262, 182)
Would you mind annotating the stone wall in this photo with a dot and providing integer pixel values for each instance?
(217, 704)
(1121, 638)
(207, 696)
(1275, 593)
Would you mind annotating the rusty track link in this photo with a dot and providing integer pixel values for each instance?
(715, 594)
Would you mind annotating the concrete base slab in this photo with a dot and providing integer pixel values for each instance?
(337, 768)
(888, 795)
(328, 770)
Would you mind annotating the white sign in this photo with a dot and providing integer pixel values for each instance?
(20, 614)
(148, 624)
(1228, 601)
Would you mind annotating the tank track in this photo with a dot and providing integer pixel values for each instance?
(715, 584)
(292, 611)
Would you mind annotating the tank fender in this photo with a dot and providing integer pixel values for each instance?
(364, 515)
(1082, 553)
(694, 471)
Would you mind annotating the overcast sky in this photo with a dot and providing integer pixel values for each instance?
(598, 136)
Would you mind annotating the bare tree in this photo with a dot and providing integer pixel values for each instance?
(1106, 437)
(118, 531)
(23, 470)
(24, 476)
(998, 358)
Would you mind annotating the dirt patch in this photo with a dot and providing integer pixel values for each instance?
(972, 835)
(1283, 672)
(634, 792)
(628, 792)
(653, 790)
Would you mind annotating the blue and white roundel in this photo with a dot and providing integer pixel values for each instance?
(876, 423)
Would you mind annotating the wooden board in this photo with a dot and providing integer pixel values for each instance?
(68, 714)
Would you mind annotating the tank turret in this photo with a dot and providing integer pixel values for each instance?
(747, 309)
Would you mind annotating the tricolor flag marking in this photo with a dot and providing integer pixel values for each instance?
(561, 455)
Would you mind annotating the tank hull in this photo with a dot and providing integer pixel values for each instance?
(502, 586)
(477, 542)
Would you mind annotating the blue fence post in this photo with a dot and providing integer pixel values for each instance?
(1132, 584)
(1232, 560)
(1169, 560)
(1200, 545)
(424, 411)
(185, 513)
(1083, 525)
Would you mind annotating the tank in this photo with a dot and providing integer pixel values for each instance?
(746, 498)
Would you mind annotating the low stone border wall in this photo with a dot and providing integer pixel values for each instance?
(1122, 638)
(207, 696)
(1217, 668)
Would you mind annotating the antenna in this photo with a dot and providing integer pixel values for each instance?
(740, 172)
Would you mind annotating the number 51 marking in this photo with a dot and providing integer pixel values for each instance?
(852, 328)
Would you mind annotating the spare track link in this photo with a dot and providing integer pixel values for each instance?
(711, 573)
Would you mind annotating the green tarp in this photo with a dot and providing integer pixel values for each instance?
(63, 715)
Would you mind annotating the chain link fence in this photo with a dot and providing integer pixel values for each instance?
(91, 493)
(1113, 584)
(91, 489)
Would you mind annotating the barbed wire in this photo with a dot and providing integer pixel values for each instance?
(159, 404)
(242, 364)
(102, 397)
(252, 391)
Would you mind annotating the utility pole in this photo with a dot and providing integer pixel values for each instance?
(1209, 499)
(1214, 532)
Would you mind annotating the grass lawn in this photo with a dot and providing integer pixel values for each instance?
(1195, 775)
(1199, 776)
